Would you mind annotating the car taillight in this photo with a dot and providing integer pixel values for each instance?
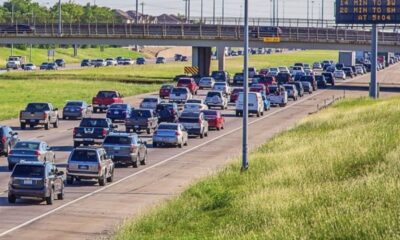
(177, 133)
(82, 109)
(200, 121)
(99, 167)
(3, 139)
(45, 115)
(74, 131)
(104, 133)
(37, 153)
(11, 152)
(133, 148)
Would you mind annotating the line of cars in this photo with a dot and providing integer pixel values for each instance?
(122, 61)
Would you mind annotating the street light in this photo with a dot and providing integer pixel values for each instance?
(312, 10)
(59, 18)
(245, 160)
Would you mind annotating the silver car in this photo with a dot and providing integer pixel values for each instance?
(90, 163)
(206, 82)
(150, 103)
(216, 99)
(32, 151)
(170, 134)
(195, 123)
(223, 87)
(291, 91)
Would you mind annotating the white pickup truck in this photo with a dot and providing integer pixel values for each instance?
(14, 62)
(277, 95)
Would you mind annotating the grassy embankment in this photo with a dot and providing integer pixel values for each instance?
(334, 176)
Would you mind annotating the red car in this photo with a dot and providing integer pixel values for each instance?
(104, 99)
(235, 94)
(189, 83)
(259, 88)
(268, 80)
(215, 119)
(165, 90)
(264, 71)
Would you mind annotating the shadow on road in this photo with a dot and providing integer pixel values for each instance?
(20, 202)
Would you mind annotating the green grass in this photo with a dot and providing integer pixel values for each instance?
(14, 95)
(40, 55)
(334, 176)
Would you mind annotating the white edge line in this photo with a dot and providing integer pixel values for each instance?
(158, 164)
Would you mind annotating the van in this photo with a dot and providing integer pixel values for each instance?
(255, 103)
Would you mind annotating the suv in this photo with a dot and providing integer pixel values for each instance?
(36, 179)
(8, 139)
(141, 119)
(90, 163)
(195, 123)
(216, 99)
(126, 148)
(292, 91)
(167, 112)
(180, 95)
(189, 83)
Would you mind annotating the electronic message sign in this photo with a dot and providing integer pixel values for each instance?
(367, 11)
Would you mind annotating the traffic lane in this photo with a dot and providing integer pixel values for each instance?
(100, 213)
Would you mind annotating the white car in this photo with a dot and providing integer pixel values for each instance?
(150, 103)
(206, 82)
(194, 107)
(99, 63)
(340, 74)
(255, 101)
(111, 62)
(180, 95)
(359, 70)
(29, 67)
(216, 99)
(284, 69)
(223, 87)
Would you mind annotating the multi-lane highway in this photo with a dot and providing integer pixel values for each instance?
(91, 212)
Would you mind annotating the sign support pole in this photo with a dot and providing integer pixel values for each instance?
(245, 160)
(373, 89)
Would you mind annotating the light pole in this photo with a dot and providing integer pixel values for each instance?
(201, 11)
(188, 11)
(308, 12)
(223, 11)
(322, 12)
(137, 12)
(59, 18)
(213, 11)
(245, 160)
(142, 5)
(312, 10)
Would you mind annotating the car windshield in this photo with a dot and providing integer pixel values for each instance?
(92, 122)
(28, 171)
(74, 104)
(239, 77)
(107, 94)
(184, 81)
(161, 107)
(118, 106)
(82, 155)
(166, 87)
(27, 145)
(37, 107)
(29, 65)
(272, 89)
(210, 113)
(213, 94)
(179, 91)
(167, 127)
(118, 140)
(150, 100)
(141, 114)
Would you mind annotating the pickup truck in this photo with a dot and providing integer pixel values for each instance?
(36, 114)
(92, 131)
(141, 119)
(104, 99)
(277, 95)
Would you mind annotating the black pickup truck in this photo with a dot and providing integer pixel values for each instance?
(92, 131)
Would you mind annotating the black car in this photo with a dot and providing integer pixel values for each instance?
(300, 89)
(118, 111)
(311, 80)
(18, 28)
(167, 112)
(339, 66)
(92, 131)
(86, 63)
(238, 79)
(329, 77)
(36, 180)
(283, 78)
(60, 62)
(140, 61)
(161, 60)
(184, 59)
(52, 66)
(220, 76)
(178, 57)
(321, 82)
(8, 139)
(348, 71)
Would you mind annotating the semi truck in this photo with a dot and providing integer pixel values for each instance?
(348, 59)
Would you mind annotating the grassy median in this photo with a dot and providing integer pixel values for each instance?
(334, 176)
(15, 94)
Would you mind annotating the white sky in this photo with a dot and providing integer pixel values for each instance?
(258, 8)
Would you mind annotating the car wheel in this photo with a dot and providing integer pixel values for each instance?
(180, 145)
(55, 125)
(202, 135)
(206, 134)
(134, 164)
(111, 177)
(262, 113)
(50, 199)
(95, 110)
(76, 144)
(46, 126)
(102, 180)
(218, 128)
(70, 180)
(23, 126)
(10, 167)
(258, 114)
(60, 196)
(155, 144)
(11, 198)
(148, 130)
(144, 161)
(128, 130)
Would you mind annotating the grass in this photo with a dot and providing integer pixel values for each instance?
(40, 55)
(334, 176)
(164, 73)
(16, 94)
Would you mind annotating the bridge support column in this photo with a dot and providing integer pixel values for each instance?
(75, 50)
(201, 58)
(221, 58)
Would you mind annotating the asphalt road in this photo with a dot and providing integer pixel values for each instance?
(92, 212)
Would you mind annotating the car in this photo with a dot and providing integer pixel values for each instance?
(161, 60)
(273, 72)
(36, 180)
(178, 57)
(92, 131)
(359, 70)
(32, 151)
(215, 119)
(13, 65)
(221, 76)
(167, 112)
(298, 76)
(194, 123)
(216, 99)
(165, 91)
(260, 88)
(150, 103)
(180, 95)
(277, 95)
(194, 107)
(86, 63)
(299, 87)
(140, 61)
(297, 69)
(189, 83)
(329, 77)
(349, 72)
(43, 66)
(184, 59)
(177, 77)
(111, 62)
(317, 66)
(99, 63)
(8, 139)
(283, 78)
(322, 83)
(252, 71)
(255, 101)
(126, 149)
(104, 99)
(340, 74)
(292, 91)
(263, 71)
(206, 82)
(60, 62)
(307, 87)
(283, 69)
(39, 114)
(310, 79)
(90, 163)
(235, 94)
(141, 119)
(18, 29)
(238, 79)
(119, 111)
(29, 67)
(173, 134)
(126, 61)
(223, 87)
(76, 109)
(52, 66)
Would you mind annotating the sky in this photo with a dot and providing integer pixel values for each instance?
(233, 8)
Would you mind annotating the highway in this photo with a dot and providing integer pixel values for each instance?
(92, 212)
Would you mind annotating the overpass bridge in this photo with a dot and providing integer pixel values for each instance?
(202, 37)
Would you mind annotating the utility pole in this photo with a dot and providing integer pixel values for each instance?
(137, 12)
(188, 11)
(201, 11)
(283, 9)
(277, 12)
(142, 4)
(245, 160)
(312, 10)
(322, 13)
(223, 11)
(213, 11)
(12, 13)
(59, 18)
(308, 12)
(373, 90)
